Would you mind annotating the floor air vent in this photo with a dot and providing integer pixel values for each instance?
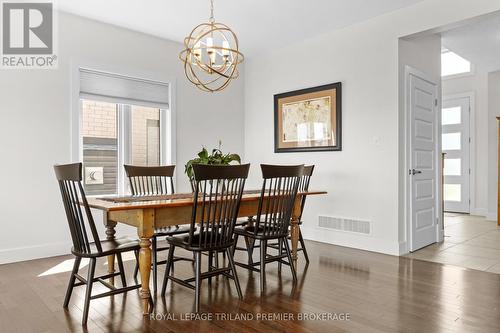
(349, 225)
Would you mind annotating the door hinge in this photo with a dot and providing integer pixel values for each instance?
(469, 171)
(436, 102)
(470, 140)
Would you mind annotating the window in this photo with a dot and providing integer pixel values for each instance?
(451, 141)
(452, 166)
(452, 192)
(453, 64)
(451, 116)
(119, 125)
(100, 146)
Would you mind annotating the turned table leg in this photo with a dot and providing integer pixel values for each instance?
(110, 235)
(294, 229)
(145, 232)
(294, 235)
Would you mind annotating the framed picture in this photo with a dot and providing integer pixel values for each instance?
(308, 119)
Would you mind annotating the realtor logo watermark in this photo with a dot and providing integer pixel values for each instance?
(28, 35)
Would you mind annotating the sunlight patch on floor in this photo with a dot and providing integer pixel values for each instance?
(63, 267)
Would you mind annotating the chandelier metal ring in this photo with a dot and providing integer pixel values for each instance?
(211, 56)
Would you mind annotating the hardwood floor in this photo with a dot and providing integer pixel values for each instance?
(380, 293)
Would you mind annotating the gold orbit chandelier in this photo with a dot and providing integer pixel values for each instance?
(211, 55)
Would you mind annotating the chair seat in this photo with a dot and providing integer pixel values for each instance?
(172, 230)
(249, 231)
(184, 242)
(123, 244)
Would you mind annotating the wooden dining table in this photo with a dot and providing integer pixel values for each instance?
(154, 212)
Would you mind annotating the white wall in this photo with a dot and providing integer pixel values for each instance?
(477, 84)
(493, 112)
(362, 181)
(35, 109)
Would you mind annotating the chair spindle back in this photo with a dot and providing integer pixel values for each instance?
(69, 177)
(279, 191)
(157, 180)
(304, 186)
(217, 198)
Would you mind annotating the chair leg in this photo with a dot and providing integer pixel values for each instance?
(263, 250)
(197, 281)
(280, 249)
(290, 260)
(72, 279)
(250, 245)
(88, 292)
(170, 259)
(235, 275)
(136, 269)
(154, 246)
(235, 243)
(210, 264)
(216, 259)
(122, 270)
(303, 246)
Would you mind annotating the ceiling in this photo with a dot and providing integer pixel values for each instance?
(478, 42)
(259, 24)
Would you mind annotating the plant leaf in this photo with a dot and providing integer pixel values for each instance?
(203, 153)
(233, 157)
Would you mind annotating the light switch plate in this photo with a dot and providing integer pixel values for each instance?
(94, 175)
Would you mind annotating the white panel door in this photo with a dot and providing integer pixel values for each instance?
(423, 163)
(456, 145)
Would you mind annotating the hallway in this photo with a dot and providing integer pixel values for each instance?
(470, 242)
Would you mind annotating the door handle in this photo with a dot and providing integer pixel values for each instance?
(414, 172)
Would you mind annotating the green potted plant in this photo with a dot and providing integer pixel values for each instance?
(217, 157)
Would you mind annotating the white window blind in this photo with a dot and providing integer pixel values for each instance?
(110, 87)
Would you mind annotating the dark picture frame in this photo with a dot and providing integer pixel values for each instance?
(322, 103)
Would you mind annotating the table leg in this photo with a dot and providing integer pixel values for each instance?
(250, 221)
(294, 235)
(145, 232)
(110, 235)
(294, 228)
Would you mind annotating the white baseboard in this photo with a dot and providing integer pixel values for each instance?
(44, 250)
(34, 252)
(367, 243)
(479, 212)
(492, 216)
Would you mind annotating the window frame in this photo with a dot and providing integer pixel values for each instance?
(167, 120)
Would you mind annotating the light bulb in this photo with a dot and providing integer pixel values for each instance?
(210, 50)
(225, 48)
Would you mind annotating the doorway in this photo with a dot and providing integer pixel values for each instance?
(456, 145)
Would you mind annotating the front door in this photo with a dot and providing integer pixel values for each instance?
(422, 103)
(456, 145)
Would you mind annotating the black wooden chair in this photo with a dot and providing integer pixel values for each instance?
(85, 244)
(217, 199)
(278, 194)
(303, 187)
(151, 181)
